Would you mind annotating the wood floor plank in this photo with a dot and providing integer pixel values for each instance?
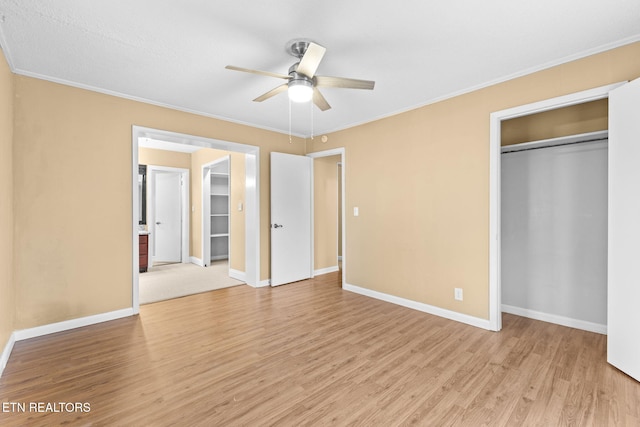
(310, 353)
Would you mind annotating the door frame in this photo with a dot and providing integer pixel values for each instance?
(252, 199)
(496, 118)
(152, 171)
(328, 153)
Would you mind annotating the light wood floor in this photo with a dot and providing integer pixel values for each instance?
(311, 354)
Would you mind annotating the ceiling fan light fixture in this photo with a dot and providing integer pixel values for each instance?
(300, 90)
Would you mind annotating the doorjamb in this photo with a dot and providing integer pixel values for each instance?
(496, 118)
(152, 170)
(252, 199)
(328, 153)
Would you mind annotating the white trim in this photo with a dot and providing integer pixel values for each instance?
(252, 218)
(496, 118)
(197, 261)
(426, 308)
(238, 275)
(312, 197)
(66, 325)
(326, 270)
(135, 219)
(554, 318)
(6, 353)
(327, 153)
(262, 284)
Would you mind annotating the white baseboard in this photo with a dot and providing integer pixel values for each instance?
(52, 328)
(326, 270)
(554, 318)
(4, 358)
(238, 275)
(263, 283)
(219, 257)
(196, 261)
(426, 308)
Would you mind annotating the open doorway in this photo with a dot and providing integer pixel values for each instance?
(174, 146)
(326, 214)
(330, 196)
(167, 215)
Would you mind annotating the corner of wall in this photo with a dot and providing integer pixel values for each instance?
(7, 285)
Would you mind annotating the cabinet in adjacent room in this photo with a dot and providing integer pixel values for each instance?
(143, 246)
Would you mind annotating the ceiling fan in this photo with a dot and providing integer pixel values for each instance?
(302, 83)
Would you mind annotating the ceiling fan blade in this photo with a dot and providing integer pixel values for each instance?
(272, 92)
(262, 73)
(342, 82)
(311, 59)
(319, 100)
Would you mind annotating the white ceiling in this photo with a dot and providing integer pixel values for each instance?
(173, 53)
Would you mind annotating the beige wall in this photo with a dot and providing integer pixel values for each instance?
(172, 159)
(582, 118)
(236, 218)
(7, 289)
(72, 185)
(325, 212)
(421, 181)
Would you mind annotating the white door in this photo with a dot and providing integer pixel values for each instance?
(168, 219)
(623, 313)
(290, 218)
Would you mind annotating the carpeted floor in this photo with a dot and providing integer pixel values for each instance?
(177, 280)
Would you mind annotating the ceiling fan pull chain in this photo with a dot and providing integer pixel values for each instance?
(290, 122)
(311, 111)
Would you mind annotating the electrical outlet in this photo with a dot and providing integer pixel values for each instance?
(457, 294)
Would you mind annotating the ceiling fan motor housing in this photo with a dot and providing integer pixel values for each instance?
(298, 48)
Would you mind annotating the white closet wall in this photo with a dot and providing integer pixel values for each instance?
(554, 231)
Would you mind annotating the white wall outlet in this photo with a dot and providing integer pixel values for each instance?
(356, 211)
(457, 294)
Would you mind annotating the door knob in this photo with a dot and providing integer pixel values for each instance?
(278, 225)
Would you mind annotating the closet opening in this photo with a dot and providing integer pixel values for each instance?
(565, 115)
(554, 230)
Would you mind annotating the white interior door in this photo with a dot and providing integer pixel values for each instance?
(623, 314)
(168, 217)
(290, 218)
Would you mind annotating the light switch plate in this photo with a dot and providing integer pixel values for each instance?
(356, 211)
